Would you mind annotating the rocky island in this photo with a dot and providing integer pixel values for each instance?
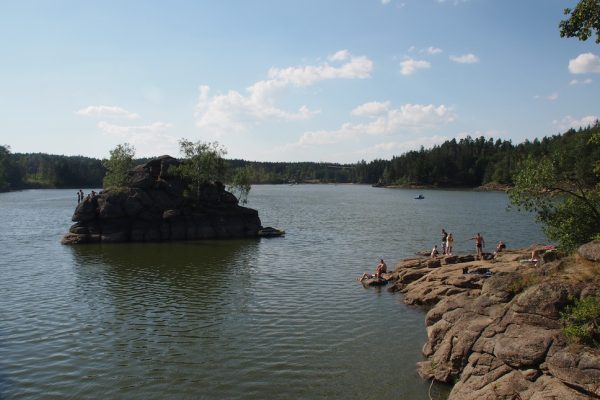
(494, 326)
(153, 208)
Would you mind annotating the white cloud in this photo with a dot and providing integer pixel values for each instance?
(569, 122)
(106, 112)
(385, 2)
(431, 50)
(409, 117)
(585, 63)
(582, 82)
(465, 59)
(371, 109)
(410, 66)
(133, 129)
(340, 55)
(149, 140)
(551, 97)
(235, 111)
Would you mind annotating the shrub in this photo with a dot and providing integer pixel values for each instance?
(581, 321)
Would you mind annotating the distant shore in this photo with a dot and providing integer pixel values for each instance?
(488, 187)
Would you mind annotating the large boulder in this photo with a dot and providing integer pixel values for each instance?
(154, 209)
(590, 251)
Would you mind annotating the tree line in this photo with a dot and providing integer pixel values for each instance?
(467, 162)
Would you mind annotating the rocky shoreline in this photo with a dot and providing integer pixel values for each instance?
(493, 326)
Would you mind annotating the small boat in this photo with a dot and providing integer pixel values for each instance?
(419, 197)
(270, 232)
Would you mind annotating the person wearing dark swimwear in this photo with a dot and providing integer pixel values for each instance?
(479, 244)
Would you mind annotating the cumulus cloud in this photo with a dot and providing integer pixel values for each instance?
(569, 122)
(234, 111)
(581, 82)
(385, 121)
(465, 59)
(585, 63)
(106, 112)
(372, 108)
(409, 66)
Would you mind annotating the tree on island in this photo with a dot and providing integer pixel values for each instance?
(117, 166)
(583, 19)
(203, 162)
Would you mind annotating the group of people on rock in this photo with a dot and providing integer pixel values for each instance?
(82, 197)
(447, 246)
(448, 242)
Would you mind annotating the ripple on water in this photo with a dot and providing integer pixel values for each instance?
(253, 319)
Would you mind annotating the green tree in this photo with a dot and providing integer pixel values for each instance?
(120, 162)
(4, 168)
(565, 195)
(582, 21)
(203, 162)
(240, 183)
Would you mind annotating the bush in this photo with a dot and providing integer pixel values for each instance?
(581, 321)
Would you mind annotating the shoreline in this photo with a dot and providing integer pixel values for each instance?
(495, 332)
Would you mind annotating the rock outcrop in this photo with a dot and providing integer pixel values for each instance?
(495, 331)
(153, 208)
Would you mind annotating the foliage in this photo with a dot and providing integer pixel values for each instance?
(4, 168)
(202, 162)
(120, 162)
(581, 321)
(562, 188)
(240, 184)
(582, 21)
(523, 282)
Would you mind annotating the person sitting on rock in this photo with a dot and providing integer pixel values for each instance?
(380, 269)
(500, 247)
(434, 251)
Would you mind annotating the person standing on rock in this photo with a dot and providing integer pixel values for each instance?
(479, 245)
(449, 244)
(444, 239)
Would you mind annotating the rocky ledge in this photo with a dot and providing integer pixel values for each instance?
(493, 326)
(153, 208)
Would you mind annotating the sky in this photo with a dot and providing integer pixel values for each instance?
(282, 80)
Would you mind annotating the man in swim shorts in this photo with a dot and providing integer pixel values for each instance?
(479, 244)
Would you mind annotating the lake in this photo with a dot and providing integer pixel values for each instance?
(279, 318)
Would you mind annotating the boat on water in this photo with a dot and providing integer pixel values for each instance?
(270, 232)
(419, 197)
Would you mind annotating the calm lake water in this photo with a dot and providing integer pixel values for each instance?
(280, 318)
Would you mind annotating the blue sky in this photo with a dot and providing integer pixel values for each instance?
(310, 80)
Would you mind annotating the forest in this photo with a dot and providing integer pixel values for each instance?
(464, 163)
